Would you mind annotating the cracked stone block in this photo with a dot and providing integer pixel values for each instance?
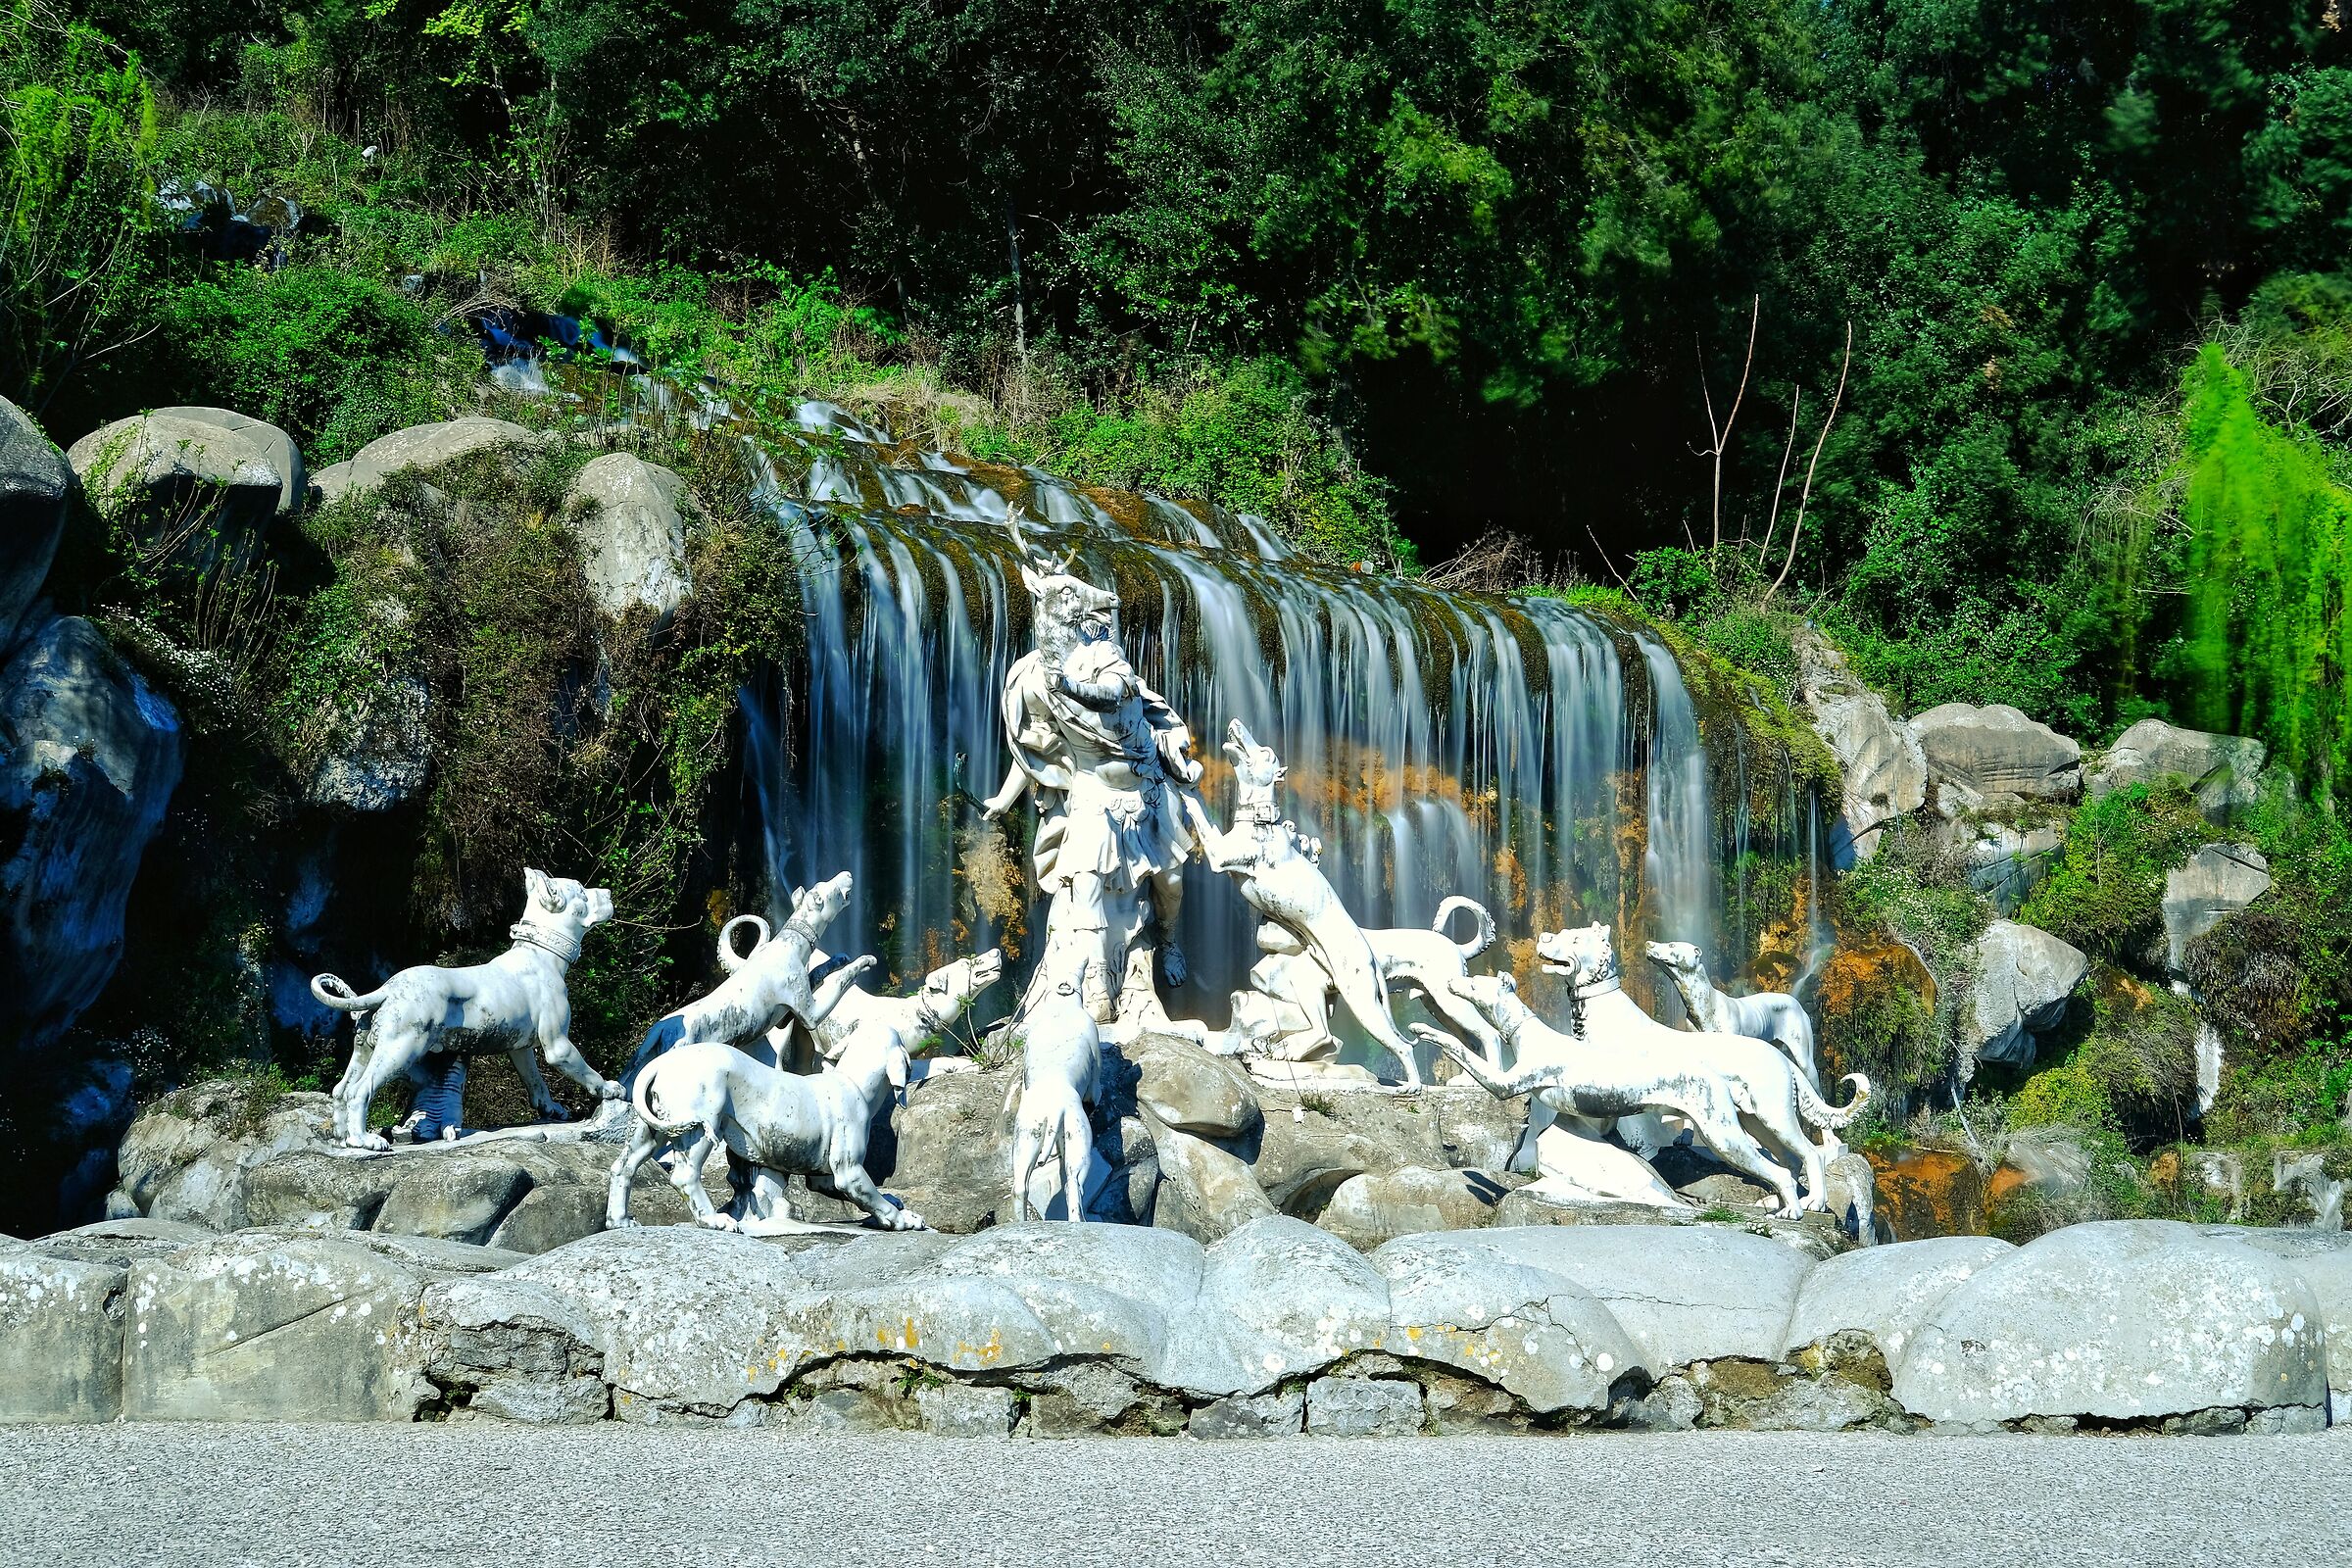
(965, 1410)
(838, 1412)
(1362, 1407)
(1251, 1415)
(61, 1339)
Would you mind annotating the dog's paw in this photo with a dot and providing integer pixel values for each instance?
(374, 1142)
(719, 1222)
(624, 1223)
(612, 1089)
(906, 1219)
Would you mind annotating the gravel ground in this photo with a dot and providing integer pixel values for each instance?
(501, 1496)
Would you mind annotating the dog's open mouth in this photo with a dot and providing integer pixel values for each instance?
(1563, 970)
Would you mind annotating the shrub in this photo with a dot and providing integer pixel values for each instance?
(2105, 892)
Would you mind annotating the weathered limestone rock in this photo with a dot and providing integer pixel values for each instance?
(121, 1242)
(277, 448)
(965, 1410)
(2006, 861)
(2119, 1320)
(1995, 755)
(34, 480)
(1204, 1192)
(192, 491)
(1250, 1415)
(2023, 978)
(310, 1189)
(947, 1154)
(1885, 1293)
(2324, 1260)
(1925, 1193)
(61, 1338)
(1682, 1293)
(456, 1194)
(89, 754)
(1884, 772)
(1342, 1133)
(1533, 1330)
(1380, 1206)
(271, 1325)
(1277, 1299)
(2222, 771)
(627, 514)
(1853, 1196)
(1363, 1408)
(424, 448)
(2217, 880)
(2322, 1181)
(2044, 1166)
(1192, 1091)
(381, 750)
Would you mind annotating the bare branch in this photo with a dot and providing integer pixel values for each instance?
(1797, 529)
(1780, 485)
(1723, 436)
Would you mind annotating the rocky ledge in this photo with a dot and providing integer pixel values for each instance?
(1053, 1329)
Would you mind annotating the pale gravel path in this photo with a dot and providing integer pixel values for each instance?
(496, 1496)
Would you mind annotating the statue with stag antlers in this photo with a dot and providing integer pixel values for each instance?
(1106, 757)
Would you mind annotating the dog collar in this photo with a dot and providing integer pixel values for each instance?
(532, 936)
(1595, 988)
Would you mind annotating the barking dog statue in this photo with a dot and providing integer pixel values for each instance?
(1732, 1091)
(1772, 1015)
(703, 1095)
(1426, 960)
(1061, 1069)
(946, 993)
(1279, 879)
(516, 1001)
(768, 987)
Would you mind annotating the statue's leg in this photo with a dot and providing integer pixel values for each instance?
(543, 1100)
(1077, 1153)
(643, 1144)
(566, 1059)
(1167, 903)
(386, 1058)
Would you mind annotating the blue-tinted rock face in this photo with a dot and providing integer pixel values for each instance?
(88, 757)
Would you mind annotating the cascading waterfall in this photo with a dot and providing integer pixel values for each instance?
(1436, 743)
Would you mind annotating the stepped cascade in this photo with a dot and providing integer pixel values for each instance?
(1440, 743)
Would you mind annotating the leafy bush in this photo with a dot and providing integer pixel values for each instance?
(2105, 892)
(2068, 1095)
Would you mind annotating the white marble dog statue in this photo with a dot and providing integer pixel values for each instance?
(1589, 1079)
(1279, 878)
(1772, 1015)
(1426, 960)
(766, 985)
(1772, 1099)
(1062, 1069)
(516, 1001)
(703, 1094)
(945, 994)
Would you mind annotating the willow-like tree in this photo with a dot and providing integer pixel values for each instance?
(2269, 642)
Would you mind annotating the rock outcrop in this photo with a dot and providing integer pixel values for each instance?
(192, 491)
(277, 448)
(1995, 755)
(2223, 771)
(422, 449)
(2022, 978)
(34, 481)
(627, 514)
(89, 754)
(1052, 1328)
(1883, 770)
(2217, 880)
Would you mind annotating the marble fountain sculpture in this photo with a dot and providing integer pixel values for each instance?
(1118, 816)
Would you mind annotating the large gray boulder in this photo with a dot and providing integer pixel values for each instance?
(2217, 880)
(272, 1326)
(1533, 1331)
(628, 516)
(2004, 861)
(2021, 979)
(190, 490)
(380, 751)
(1885, 1292)
(1312, 1142)
(61, 1338)
(1995, 755)
(1205, 1192)
(1682, 1293)
(277, 448)
(1190, 1090)
(121, 1242)
(947, 1153)
(2323, 1261)
(34, 481)
(1882, 769)
(2222, 771)
(1277, 1299)
(1381, 1205)
(89, 754)
(2118, 1320)
(424, 448)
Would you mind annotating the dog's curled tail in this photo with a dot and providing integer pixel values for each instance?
(1818, 1112)
(332, 991)
(1485, 925)
(729, 958)
(644, 1108)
